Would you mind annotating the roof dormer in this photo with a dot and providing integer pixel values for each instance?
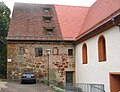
(47, 18)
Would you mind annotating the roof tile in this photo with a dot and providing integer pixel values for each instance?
(71, 19)
(100, 10)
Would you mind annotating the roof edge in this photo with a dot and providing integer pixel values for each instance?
(101, 28)
(51, 4)
(110, 17)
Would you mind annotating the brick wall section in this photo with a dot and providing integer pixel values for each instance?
(39, 65)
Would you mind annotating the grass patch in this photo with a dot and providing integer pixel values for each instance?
(57, 89)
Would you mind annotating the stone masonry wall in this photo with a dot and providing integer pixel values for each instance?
(58, 63)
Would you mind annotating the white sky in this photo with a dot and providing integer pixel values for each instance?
(10, 3)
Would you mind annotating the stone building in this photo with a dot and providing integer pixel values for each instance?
(36, 28)
(84, 44)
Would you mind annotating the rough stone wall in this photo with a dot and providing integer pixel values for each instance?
(58, 63)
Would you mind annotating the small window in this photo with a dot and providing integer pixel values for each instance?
(46, 10)
(47, 18)
(70, 52)
(84, 54)
(49, 31)
(38, 52)
(55, 51)
(21, 50)
(101, 49)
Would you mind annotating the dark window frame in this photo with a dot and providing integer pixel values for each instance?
(47, 19)
(38, 52)
(46, 9)
(70, 52)
(48, 30)
(21, 50)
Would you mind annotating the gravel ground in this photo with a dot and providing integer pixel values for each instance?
(16, 86)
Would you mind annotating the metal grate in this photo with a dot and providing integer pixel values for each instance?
(84, 87)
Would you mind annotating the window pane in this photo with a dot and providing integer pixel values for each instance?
(46, 10)
(21, 50)
(47, 18)
(49, 31)
(38, 52)
(55, 50)
(84, 54)
(101, 49)
(70, 52)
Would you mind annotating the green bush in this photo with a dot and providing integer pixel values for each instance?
(3, 69)
(44, 80)
(57, 89)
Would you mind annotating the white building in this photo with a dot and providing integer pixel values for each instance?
(98, 46)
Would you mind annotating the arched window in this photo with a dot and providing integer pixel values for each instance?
(101, 49)
(84, 54)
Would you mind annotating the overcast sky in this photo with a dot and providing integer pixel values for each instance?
(10, 3)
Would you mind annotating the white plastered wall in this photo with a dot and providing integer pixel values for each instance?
(98, 72)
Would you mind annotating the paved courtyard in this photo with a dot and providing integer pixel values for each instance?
(16, 86)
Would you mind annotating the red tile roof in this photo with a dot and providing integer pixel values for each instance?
(26, 22)
(71, 19)
(98, 12)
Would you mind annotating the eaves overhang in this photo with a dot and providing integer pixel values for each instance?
(17, 39)
(13, 40)
(100, 27)
(49, 38)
